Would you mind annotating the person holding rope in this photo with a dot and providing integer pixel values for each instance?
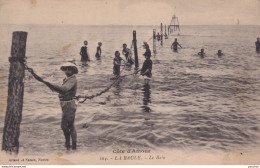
(128, 55)
(67, 91)
(146, 70)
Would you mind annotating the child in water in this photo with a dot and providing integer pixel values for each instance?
(98, 54)
(146, 70)
(84, 52)
(175, 45)
(117, 63)
(128, 55)
(67, 92)
(201, 53)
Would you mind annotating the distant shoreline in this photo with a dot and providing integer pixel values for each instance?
(119, 25)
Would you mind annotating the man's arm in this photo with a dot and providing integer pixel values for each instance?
(64, 88)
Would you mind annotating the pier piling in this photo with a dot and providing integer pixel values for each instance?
(13, 115)
(135, 49)
(154, 40)
(161, 34)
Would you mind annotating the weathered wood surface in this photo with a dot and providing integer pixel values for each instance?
(14, 108)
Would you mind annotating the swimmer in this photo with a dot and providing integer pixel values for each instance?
(201, 53)
(220, 53)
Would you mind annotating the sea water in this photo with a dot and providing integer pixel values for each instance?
(192, 103)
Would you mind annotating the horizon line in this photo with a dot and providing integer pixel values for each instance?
(126, 24)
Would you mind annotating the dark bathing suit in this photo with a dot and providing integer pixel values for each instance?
(84, 54)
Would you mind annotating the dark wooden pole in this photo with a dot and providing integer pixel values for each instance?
(165, 29)
(165, 32)
(14, 108)
(135, 49)
(161, 34)
(178, 24)
(154, 40)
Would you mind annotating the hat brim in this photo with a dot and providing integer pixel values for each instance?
(73, 68)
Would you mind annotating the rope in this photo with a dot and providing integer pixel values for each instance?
(97, 94)
(141, 46)
(101, 92)
(150, 39)
(24, 62)
(146, 41)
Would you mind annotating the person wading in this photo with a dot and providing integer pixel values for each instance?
(146, 70)
(84, 52)
(201, 53)
(98, 53)
(175, 45)
(128, 55)
(117, 63)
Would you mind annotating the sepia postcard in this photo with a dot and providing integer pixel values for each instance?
(130, 82)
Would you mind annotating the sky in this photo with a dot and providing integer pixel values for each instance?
(130, 12)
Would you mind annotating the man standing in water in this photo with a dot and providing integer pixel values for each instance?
(175, 45)
(257, 45)
(67, 92)
(84, 52)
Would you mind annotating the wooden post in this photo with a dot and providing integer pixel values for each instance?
(154, 40)
(161, 34)
(168, 30)
(135, 49)
(165, 35)
(14, 108)
(178, 24)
